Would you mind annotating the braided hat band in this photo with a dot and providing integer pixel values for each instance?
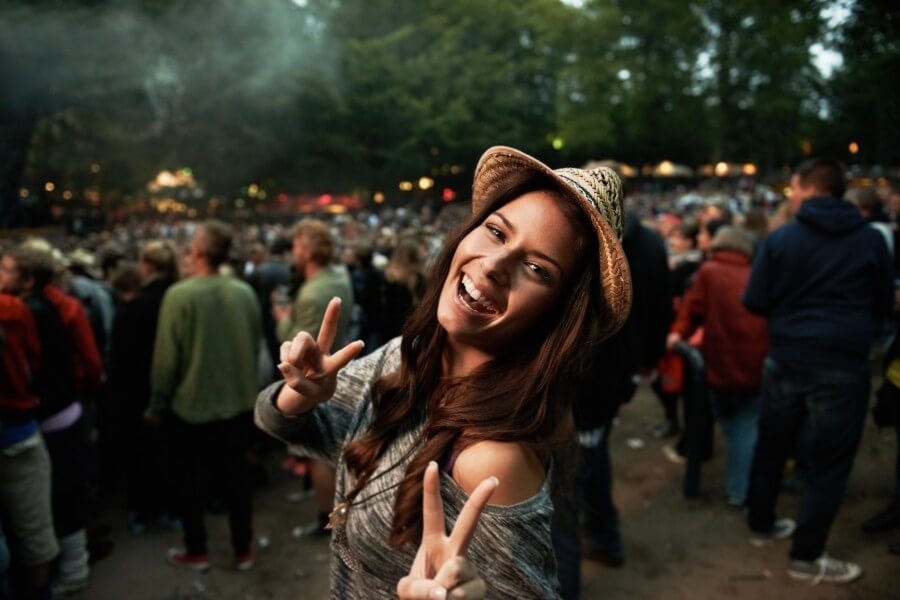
(597, 192)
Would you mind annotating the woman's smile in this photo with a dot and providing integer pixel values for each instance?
(475, 299)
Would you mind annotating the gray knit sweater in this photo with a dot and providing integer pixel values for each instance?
(511, 547)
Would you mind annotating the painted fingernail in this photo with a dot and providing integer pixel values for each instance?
(337, 299)
(495, 480)
(437, 593)
(432, 463)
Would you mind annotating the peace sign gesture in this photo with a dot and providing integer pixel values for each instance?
(441, 568)
(309, 369)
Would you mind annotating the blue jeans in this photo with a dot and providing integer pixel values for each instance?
(738, 415)
(832, 403)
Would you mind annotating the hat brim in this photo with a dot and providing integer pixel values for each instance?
(501, 168)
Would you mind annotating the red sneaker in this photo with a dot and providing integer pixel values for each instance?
(244, 562)
(178, 557)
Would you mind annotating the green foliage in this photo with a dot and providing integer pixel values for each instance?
(765, 82)
(340, 95)
(866, 89)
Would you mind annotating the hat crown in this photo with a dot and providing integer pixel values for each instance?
(602, 188)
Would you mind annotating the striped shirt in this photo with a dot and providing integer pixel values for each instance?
(511, 547)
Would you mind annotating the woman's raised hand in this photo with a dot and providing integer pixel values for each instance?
(441, 569)
(309, 369)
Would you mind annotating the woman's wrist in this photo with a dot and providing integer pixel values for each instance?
(292, 403)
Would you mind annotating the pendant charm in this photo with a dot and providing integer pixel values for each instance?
(338, 516)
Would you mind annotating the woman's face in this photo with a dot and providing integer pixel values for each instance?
(508, 272)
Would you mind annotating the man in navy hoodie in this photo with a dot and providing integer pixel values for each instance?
(825, 283)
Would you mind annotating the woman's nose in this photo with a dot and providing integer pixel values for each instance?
(495, 267)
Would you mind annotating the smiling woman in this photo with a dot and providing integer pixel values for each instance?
(509, 270)
(471, 399)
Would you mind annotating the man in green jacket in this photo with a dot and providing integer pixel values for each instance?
(204, 382)
(313, 253)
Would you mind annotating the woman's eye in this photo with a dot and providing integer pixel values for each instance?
(539, 271)
(495, 231)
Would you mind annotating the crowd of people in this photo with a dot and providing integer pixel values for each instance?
(421, 363)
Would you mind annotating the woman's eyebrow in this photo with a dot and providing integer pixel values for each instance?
(506, 221)
(538, 254)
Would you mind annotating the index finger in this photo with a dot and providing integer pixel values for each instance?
(432, 505)
(329, 325)
(464, 529)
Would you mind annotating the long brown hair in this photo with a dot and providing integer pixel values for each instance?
(519, 396)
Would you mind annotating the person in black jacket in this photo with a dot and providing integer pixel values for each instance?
(368, 296)
(133, 335)
(272, 277)
(613, 367)
(825, 283)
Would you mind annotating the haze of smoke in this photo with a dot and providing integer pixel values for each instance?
(178, 71)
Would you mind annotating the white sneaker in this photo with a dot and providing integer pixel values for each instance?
(63, 588)
(824, 568)
(781, 530)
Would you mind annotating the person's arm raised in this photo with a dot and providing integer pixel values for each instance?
(309, 369)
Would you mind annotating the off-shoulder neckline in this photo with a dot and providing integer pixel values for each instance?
(525, 506)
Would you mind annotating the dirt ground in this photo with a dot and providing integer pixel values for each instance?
(675, 548)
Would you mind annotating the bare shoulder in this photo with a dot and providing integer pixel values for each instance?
(518, 469)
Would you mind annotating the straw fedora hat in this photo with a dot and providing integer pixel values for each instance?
(599, 194)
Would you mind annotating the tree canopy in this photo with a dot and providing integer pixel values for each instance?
(353, 96)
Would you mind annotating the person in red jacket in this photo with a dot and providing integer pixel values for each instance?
(70, 366)
(88, 365)
(734, 346)
(19, 354)
(24, 462)
(85, 353)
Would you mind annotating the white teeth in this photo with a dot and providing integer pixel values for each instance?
(470, 287)
(476, 294)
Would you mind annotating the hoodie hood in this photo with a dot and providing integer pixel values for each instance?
(831, 215)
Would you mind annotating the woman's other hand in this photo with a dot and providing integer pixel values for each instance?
(441, 569)
(309, 370)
